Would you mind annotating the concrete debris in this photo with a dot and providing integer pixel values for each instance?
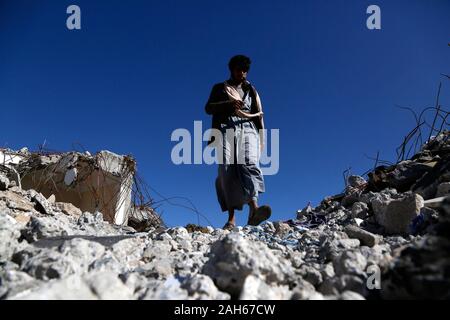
(4, 183)
(69, 209)
(360, 210)
(366, 238)
(255, 288)
(443, 189)
(396, 215)
(103, 182)
(356, 181)
(234, 258)
(384, 238)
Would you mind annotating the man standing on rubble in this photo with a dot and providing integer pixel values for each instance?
(236, 108)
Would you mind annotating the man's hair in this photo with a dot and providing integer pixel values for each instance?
(241, 62)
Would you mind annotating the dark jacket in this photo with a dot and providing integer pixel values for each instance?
(220, 106)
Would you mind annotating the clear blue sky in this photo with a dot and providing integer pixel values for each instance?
(139, 69)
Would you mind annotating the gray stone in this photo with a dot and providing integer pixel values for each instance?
(108, 286)
(69, 209)
(305, 291)
(255, 288)
(234, 258)
(360, 210)
(4, 182)
(327, 271)
(443, 189)
(9, 236)
(281, 229)
(350, 262)
(129, 252)
(16, 201)
(14, 283)
(52, 199)
(347, 282)
(42, 204)
(157, 249)
(169, 289)
(350, 295)
(72, 257)
(356, 181)
(70, 288)
(396, 215)
(201, 287)
(332, 249)
(311, 274)
(366, 238)
(45, 227)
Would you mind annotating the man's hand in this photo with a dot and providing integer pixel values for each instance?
(237, 104)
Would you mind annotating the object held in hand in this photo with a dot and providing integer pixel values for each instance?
(244, 114)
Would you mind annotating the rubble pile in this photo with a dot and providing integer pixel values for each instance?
(385, 237)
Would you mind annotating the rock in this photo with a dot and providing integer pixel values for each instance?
(16, 201)
(233, 258)
(379, 255)
(347, 282)
(360, 210)
(311, 274)
(42, 204)
(397, 215)
(70, 288)
(281, 229)
(129, 252)
(403, 175)
(350, 262)
(296, 259)
(268, 226)
(157, 249)
(332, 249)
(443, 189)
(52, 199)
(94, 286)
(366, 238)
(108, 286)
(45, 227)
(305, 211)
(68, 209)
(179, 233)
(255, 288)
(14, 282)
(72, 257)
(22, 218)
(420, 271)
(169, 289)
(136, 282)
(305, 291)
(94, 224)
(196, 228)
(202, 287)
(9, 236)
(356, 181)
(350, 295)
(4, 183)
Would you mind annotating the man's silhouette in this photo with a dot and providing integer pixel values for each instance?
(236, 108)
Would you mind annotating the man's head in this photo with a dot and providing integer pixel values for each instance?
(239, 66)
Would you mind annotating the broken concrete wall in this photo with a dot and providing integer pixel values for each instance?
(101, 183)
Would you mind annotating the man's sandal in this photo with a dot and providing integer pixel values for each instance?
(229, 226)
(261, 214)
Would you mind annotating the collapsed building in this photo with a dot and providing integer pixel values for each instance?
(385, 237)
(94, 183)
